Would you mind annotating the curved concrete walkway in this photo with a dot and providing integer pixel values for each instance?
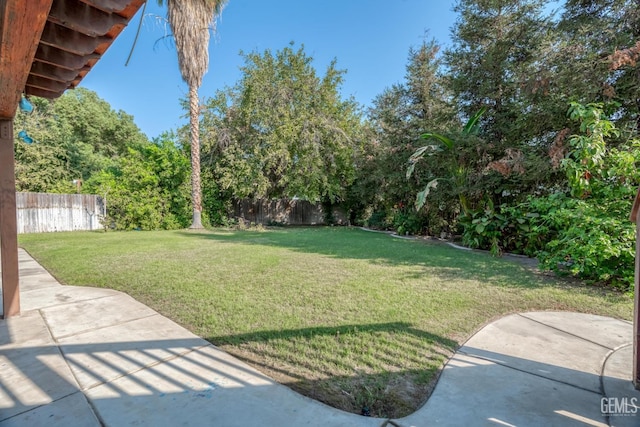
(82, 356)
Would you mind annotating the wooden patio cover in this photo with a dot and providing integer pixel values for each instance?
(46, 47)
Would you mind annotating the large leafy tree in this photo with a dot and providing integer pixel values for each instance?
(71, 138)
(283, 130)
(191, 21)
(498, 61)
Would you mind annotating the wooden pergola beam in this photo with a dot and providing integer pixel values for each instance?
(83, 18)
(69, 40)
(49, 71)
(109, 6)
(21, 23)
(68, 48)
(60, 58)
(42, 93)
(46, 84)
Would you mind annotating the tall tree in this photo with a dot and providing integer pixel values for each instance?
(283, 130)
(190, 22)
(495, 62)
(71, 138)
(496, 46)
(602, 40)
(399, 115)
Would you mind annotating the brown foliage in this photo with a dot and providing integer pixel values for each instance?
(624, 57)
(608, 91)
(558, 150)
(512, 162)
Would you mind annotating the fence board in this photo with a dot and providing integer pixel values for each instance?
(44, 212)
(285, 212)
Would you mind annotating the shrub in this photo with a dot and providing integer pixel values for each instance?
(592, 244)
(377, 220)
(408, 221)
(146, 190)
(582, 230)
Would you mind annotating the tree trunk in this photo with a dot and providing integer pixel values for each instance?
(194, 125)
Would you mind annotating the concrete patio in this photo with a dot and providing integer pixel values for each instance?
(80, 356)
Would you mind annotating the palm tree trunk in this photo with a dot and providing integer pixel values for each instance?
(196, 190)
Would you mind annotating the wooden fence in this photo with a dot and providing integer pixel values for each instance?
(43, 212)
(284, 212)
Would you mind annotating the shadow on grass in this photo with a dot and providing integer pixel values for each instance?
(389, 371)
(434, 259)
(335, 331)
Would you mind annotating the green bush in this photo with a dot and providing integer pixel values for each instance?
(146, 190)
(216, 204)
(408, 222)
(592, 245)
(401, 218)
(589, 239)
(377, 220)
(524, 228)
(582, 230)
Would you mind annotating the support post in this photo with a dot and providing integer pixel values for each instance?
(8, 222)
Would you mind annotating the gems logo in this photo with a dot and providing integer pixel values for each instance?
(624, 406)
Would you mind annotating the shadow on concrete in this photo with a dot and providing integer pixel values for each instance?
(165, 382)
(170, 382)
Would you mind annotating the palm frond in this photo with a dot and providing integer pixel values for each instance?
(448, 142)
(190, 22)
(421, 197)
(472, 128)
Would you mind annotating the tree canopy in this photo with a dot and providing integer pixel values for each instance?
(71, 138)
(283, 130)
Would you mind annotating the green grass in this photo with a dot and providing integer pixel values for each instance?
(345, 316)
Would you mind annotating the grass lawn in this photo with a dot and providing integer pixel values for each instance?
(352, 318)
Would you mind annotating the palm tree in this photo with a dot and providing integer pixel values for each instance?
(190, 22)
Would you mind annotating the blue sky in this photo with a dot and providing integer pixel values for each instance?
(369, 38)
